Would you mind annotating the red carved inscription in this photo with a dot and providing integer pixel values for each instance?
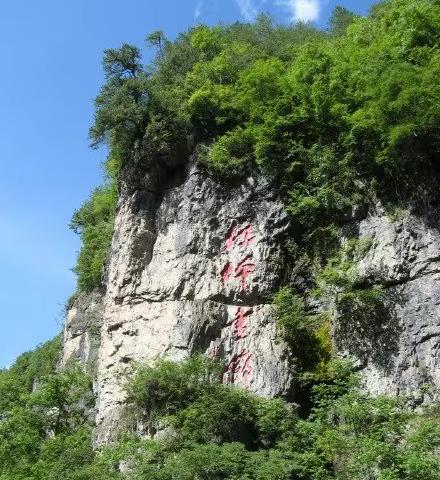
(231, 237)
(241, 367)
(227, 271)
(243, 270)
(240, 322)
(244, 236)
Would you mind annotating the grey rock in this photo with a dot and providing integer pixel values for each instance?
(192, 269)
(401, 356)
(82, 329)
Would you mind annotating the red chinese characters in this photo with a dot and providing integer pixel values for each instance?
(241, 368)
(231, 237)
(239, 325)
(227, 272)
(243, 270)
(244, 237)
(239, 267)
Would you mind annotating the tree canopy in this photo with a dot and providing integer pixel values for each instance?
(331, 116)
(213, 431)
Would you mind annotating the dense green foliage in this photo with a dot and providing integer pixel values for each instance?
(225, 433)
(166, 388)
(94, 222)
(44, 432)
(331, 116)
(298, 327)
(208, 430)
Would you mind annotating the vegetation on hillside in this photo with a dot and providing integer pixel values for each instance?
(332, 117)
(94, 222)
(44, 430)
(209, 431)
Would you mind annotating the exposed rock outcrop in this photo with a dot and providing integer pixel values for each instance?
(82, 329)
(194, 265)
(400, 355)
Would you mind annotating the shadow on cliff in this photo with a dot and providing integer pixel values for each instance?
(369, 329)
(416, 190)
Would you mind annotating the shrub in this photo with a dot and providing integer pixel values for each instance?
(220, 416)
(223, 433)
(231, 152)
(44, 426)
(307, 335)
(94, 222)
(167, 387)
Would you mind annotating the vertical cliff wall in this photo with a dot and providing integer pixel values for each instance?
(194, 265)
(400, 354)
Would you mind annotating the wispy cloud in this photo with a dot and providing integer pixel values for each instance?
(248, 9)
(298, 10)
(302, 10)
(198, 9)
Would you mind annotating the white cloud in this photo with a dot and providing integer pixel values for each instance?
(248, 9)
(298, 10)
(198, 10)
(302, 10)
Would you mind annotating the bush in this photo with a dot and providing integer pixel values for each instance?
(307, 335)
(44, 427)
(220, 432)
(94, 222)
(190, 397)
(230, 153)
(167, 387)
(221, 416)
(29, 370)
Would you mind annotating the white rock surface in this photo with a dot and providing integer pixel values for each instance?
(192, 269)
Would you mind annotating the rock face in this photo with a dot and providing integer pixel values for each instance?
(401, 356)
(193, 267)
(82, 330)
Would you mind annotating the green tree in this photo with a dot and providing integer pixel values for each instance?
(122, 105)
(340, 20)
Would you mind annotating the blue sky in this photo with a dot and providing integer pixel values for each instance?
(51, 69)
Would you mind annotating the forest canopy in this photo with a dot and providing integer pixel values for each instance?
(330, 116)
(215, 431)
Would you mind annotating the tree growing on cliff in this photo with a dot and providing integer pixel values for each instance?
(122, 106)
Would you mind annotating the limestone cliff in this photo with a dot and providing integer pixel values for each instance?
(400, 355)
(194, 265)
